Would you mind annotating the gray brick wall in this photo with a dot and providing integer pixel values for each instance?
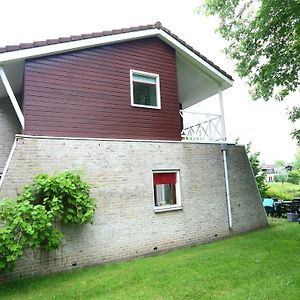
(9, 126)
(247, 208)
(125, 224)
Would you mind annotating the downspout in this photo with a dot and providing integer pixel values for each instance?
(224, 150)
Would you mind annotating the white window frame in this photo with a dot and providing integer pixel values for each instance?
(157, 84)
(168, 207)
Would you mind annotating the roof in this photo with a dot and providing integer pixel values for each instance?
(63, 40)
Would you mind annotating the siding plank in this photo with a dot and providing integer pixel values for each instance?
(87, 93)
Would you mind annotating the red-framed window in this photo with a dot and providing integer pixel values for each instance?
(166, 188)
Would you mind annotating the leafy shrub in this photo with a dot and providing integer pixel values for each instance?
(282, 176)
(279, 195)
(294, 176)
(29, 222)
(257, 171)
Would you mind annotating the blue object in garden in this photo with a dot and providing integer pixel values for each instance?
(268, 202)
(269, 206)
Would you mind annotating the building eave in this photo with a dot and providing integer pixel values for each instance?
(22, 52)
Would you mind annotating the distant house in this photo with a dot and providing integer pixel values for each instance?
(270, 171)
(117, 104)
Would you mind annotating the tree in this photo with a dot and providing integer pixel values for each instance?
(281, 176)
(264, 42)
(294, 115)
(294, 176)
(280, 163)
(257, 171)
(296, 163)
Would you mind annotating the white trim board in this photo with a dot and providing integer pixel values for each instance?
(21, 54)
(12, 97)
(45, 137)
(157, 87)
(74, 45)
(177, 45)
(12, 151)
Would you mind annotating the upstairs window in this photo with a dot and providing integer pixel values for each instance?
(145, 90)
(166, 189)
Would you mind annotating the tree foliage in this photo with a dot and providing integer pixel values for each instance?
(280, 163)
(279, 195)
(264, 42)
(294, 115)
(296, 162)
(294, 176)
(257, 171)
(281, 176)
(32, 220)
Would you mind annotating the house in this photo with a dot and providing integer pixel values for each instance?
(117, 104)
(270, 172)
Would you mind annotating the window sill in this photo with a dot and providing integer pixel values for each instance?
(166, 208)
(145, 106)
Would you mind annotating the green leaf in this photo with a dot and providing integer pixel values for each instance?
(30, 222)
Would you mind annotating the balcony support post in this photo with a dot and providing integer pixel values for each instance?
(222, 114)
(12, 97)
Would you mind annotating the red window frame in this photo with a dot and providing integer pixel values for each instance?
(166, 181)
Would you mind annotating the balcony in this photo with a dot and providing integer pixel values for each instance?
(199, 127)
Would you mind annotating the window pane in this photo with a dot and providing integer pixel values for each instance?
(143, 78)
(165, 194)
(144, 94)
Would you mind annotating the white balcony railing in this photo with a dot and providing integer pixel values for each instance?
(201, 127)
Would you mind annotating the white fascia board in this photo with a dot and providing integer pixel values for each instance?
(198, 59)
(75, 45)
(109, 39)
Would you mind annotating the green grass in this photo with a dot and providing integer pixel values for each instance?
(259, 265)
(293, 190)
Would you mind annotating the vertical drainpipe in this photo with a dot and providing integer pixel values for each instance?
(224, 150)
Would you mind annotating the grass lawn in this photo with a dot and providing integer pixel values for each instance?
(259, 265)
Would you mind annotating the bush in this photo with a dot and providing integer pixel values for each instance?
(282, 176)
(278, 195)
(257, 171)
(29, 222)
(294, 176)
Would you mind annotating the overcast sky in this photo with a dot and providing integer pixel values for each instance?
(264, 124)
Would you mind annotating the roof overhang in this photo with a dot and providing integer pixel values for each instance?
(198, 77)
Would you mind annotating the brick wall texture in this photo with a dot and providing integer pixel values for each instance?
(9, 126)
(125, 224)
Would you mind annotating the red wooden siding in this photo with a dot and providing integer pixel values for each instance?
(87, 93)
